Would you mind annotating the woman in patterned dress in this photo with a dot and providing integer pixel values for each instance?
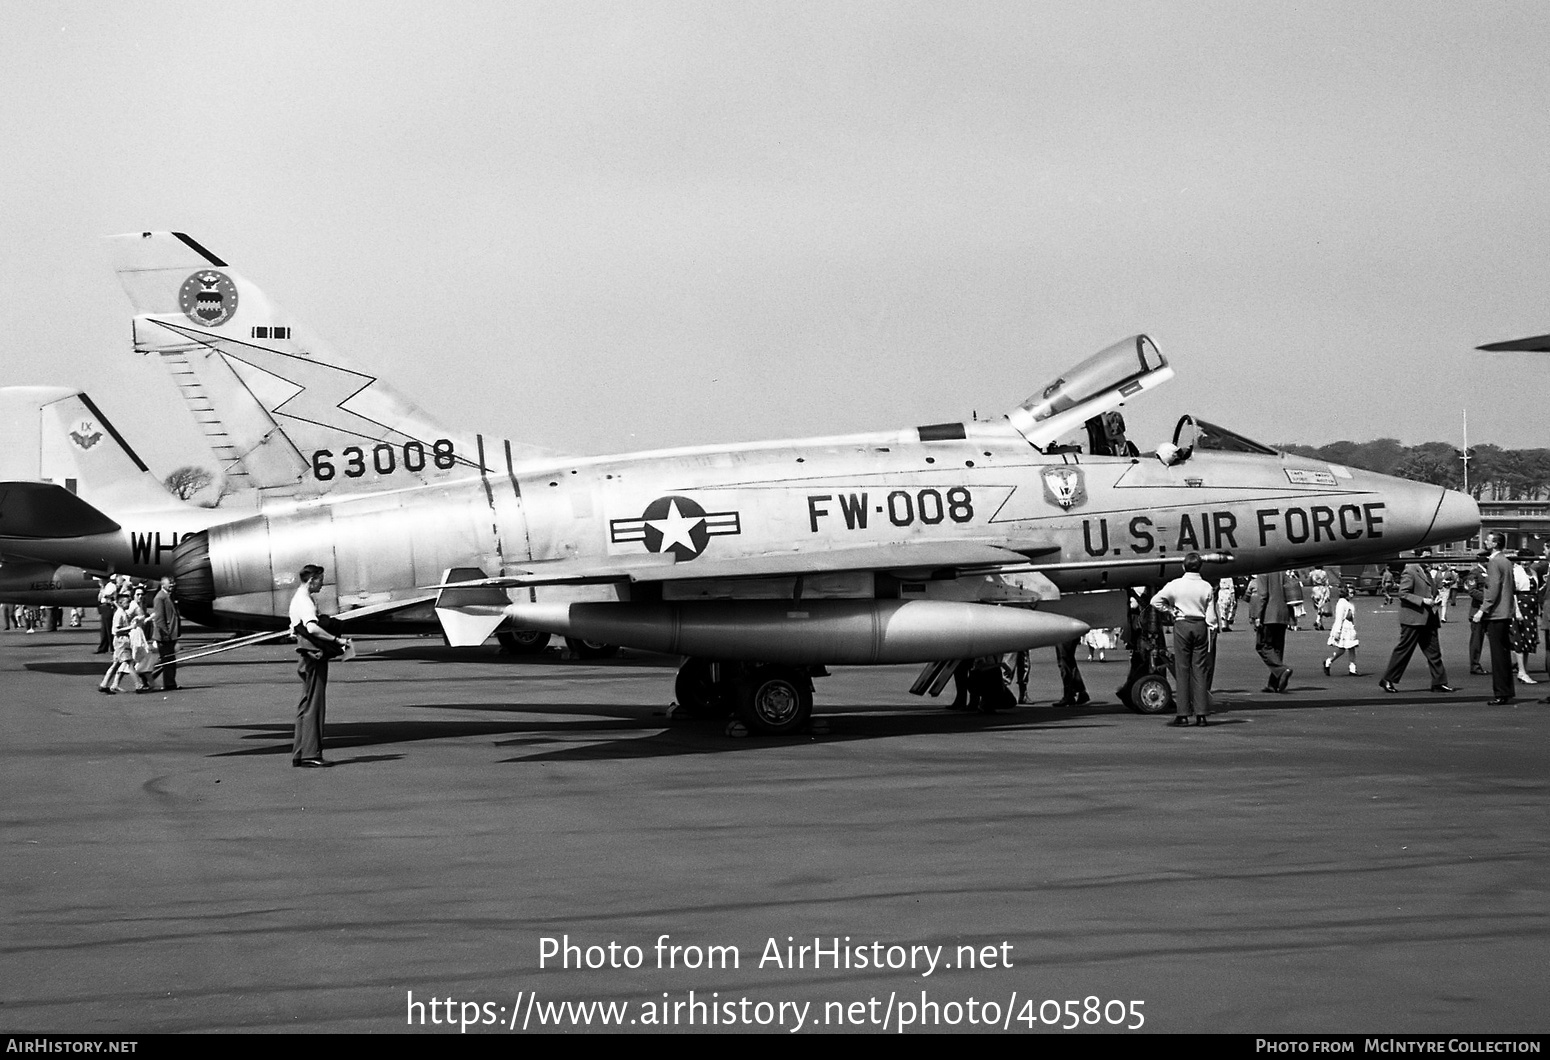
(1525, 623)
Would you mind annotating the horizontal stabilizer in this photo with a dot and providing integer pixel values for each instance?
(43, 510)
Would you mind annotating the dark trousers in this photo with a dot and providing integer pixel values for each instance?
(1477, 641)
(1411, 638)
(1498, 633)
(167, 655)
(105, 640)
(1270, 642)
(1191, 650)
(312, 707)
(1072, 687)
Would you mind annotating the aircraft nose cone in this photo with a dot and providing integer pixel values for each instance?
(1457, 518)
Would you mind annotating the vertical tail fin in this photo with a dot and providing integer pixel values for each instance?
(58, 435)
(285, 414)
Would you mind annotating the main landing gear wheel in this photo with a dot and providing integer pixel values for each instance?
(591, 649)
(698, 693)
(523, 642)
(775, 700)
(1151, 695)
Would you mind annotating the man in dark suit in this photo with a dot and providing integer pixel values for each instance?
(167, 624)
(1496, 612)
(1419, 599)
(1474, 584)
(1269, 615)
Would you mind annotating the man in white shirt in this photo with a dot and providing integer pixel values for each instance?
(106, 594)
(315, 646)
(1192, 602)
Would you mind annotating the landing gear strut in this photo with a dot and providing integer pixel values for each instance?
(699, 692)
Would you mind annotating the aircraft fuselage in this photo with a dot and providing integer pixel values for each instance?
(1087, 522)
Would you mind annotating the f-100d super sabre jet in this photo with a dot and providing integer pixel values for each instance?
(760, 563)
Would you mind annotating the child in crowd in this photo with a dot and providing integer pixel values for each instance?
(1342, 632)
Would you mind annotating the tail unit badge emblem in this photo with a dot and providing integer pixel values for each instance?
(208, 298)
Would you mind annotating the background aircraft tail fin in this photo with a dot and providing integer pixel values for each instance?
(284, 413)
(59, 435)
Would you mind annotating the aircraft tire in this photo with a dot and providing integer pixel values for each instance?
(591, 649)
(775, 701)
(1151, 695)
(522, 642)
(697, 694)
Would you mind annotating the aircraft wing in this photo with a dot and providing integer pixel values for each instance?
(663, 567)
(1165, 562)
(44, 510)
(1537, 344)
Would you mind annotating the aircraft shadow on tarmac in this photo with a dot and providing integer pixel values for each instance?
(609, 732)
(282, 735)
(372, 733)
(699, 737)
(69, 669)
(1318, 697)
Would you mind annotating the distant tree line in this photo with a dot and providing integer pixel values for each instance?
(1495, 474)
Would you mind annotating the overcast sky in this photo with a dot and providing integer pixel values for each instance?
(604, 227)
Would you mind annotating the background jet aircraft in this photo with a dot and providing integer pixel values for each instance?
(759, 562)
(1534, 344)
(25, 581)
(63, 466)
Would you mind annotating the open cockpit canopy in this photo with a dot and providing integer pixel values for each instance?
(1090, 387)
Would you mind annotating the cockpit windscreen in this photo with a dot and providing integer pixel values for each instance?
(1192, 433)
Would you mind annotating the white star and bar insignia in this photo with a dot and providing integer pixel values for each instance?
(674, 524)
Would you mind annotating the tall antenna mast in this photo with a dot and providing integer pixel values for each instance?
(1465, 455)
